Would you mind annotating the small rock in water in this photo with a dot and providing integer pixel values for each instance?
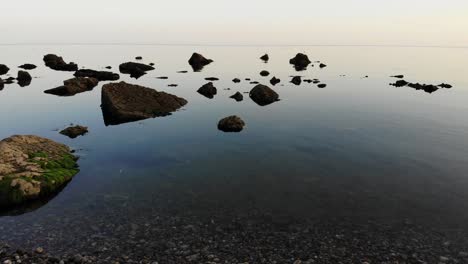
(208, 90)
(74, 131)
(28, 66)
(236, 80)
(274, 81)
(296, 80)
(237, 96)
(264, 73)
(263, 95)
(265, 58)
(231, 124)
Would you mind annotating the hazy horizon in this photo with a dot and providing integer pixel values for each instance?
(210, 22)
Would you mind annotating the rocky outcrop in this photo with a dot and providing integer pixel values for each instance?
(264, 73)
(136, 70)
(274, 81)
(263, 95)
(24, 78)
(4, 69)
(57, 63)
(198, 61)
(300, 61)
(237, 96)
(74, 86)
(123, 102)
(99, 75)
(27, 66)
(74, 131)
(265, 58)
(208, 90)
(231, 124)
(32, 167)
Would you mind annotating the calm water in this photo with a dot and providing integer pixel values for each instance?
(358, 149)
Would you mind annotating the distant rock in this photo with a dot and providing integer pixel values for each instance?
(321, 65)
(237, 96)
(24, 78)
(99, 75)
(136, 70)
(236, 80)
(264, 73)
(28, 66)
(265, 58)
(74, 131)
(57, 63)
(208, 90)
(197, 61)
(263, 95)
(74, 86)
(321, 85)
(296, 80)
(4, 69)
(212, 79)
(274, 81)
(300, 61)
(123, 102)
(231, 124)
(138, 58)
(398, 76)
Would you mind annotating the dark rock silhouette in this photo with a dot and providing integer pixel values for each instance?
(208, 90)
(236, 80)
(74, 131)
(296, 80)
(74, 86)
(123, 102)
(231, 124)
(28, 66)
(99, 75)
(300, 61)
(57, 63)
(263, 95)
(264, 73)
(4, 69)
(24, 78)
(237, 96)
(197, 61)
(136, 70)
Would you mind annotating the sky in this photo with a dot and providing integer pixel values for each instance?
(239, 22)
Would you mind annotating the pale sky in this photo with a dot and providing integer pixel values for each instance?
(236, 22)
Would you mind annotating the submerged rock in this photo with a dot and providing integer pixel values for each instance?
(99, 75)
(74, 131)
(231, 124)
(136, 70)
(296, 80)
(197, 61)
(300, 61)
(24, 78)
(57, 63)
(208, 90)
(265, 58)
(236, 80)
(264, 73)
(237, 96)
(4, 69)
(263, 95)
(123, 102)
(32, 167)
(28, 66)
(74, 86)
(274, 81)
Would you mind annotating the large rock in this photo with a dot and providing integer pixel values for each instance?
(263, 95)
(27, 66)
(300, 61)
(123, 102)
(57, 63)
(208, 90)
(74, 86)
(198, 61)
(74, 131)
(3, 69)
(99, 75)
(231, 124)
(32, 167)
(136, 70)
(24, 78)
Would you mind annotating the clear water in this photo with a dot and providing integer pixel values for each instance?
(358, 150)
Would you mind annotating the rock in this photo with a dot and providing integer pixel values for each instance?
(231, 124)
(57, 63)
(264, 73)
(398, 76)
(123, 102)
(274, 81)
(74, 131)
(24, 78)
(321, 65)
(74, 86)
(296, 80)
(28, 66)
(444, 85)
(237, 96)
(208, 90)
(136, 70)
(300, 61)
(4, 69)
(138, 58)
(321, 85)
(197, 61)
(99, 75)
(236, 80)
(263, 95)
(265, 58)
(32, 167)
(212, 79)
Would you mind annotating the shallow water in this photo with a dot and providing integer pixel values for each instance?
(359, 149)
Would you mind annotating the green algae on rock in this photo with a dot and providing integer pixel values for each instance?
(32, 167)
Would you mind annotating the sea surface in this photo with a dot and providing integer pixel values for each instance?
(359, 150)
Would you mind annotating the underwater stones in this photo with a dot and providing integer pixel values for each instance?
(74, 86)
(4, 69)
(208, 90)
(296, 80)
(74, 131)
(99, 75)
(24, 78)
(57, 63)
(274, 81)
(265, 58)
(300, 61)
(123, 102)
(33, 167)
(231, 124)
(198, 61)
(237, 96)
(236, 80)
(136, 70)
(263, 95)
(28, 66)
